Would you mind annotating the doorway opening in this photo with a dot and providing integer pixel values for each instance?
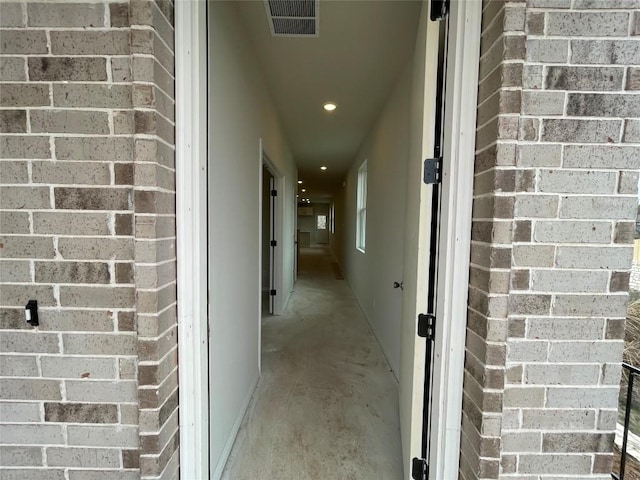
(241, 112)
(268, 242)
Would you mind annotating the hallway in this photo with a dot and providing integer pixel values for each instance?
(326, 405)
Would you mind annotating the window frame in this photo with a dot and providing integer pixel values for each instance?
(361, 208)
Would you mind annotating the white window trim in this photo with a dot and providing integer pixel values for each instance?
(361, 208)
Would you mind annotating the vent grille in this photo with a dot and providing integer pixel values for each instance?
(293, 18)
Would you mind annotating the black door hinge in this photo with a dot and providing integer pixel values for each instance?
(433, 170)
(274, 193)
(419, 469)
(439, 9)
(272, 293)
(427, 326)
(274, 243)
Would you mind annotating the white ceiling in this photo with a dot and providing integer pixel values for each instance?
(354, 62)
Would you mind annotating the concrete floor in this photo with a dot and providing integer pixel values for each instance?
(326, 406)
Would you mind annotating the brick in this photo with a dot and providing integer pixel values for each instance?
(593, 104)
(99, 344)
(537, 206)
(71, 272)
(614, 52)
(631, 131)
(588, 24)
(633, 79)
(11, 15)
(77, 173)
(19, 412)
(547, 51)
(103, 436)
(91, 95)
(31, 434)
(24, 95)
(123, 122)
(81, 412)
(556, 419)
(594, 257)
(70, 367)
(561, 374)
(103, 475)
(522, 397)
(154, 202)
(97, 249)
(30, 147)
(542, 103)
(121, 69)
(69, 121)
(124, 273)
(569, 281)
(23, 42)
(565, 328)
(584, 78)
(558, 464)
(613, 157)
(607, 419)
(14, 272)
(124, 174)
(586, 352)
(92, 198)
(83, 457)
(29, 342)
(124, 224)
(577, 181)
(26, 247)
(33, 474)
(604, 4)
(76, 320)
(527, 351)
(126, 322)
(598, 207)
(619, 282)
(13, 121)
(13, 173)
(533, 255)
(521, 441)
(18, 366)
(590, 305)
(19, 294)
(539, 155)
(29, 389)
(580, 131)
(12, 69)
(97, 297)
(113, 42)
(13, 222)
(577, 442)
(24, 197)
(21, 456)
(572, 232)
(119, 14)
(115, 149)
(101, 391)
(75, 69)
(64, 223)
(57, 15)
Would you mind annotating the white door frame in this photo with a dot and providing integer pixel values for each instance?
(191, 242)
(455, 236)
(191, 246)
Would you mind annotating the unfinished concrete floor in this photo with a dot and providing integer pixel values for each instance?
(326, 406)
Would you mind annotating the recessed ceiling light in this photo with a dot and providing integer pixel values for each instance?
(329, 106)
(299, 181)
(323, 168)
(304, 190)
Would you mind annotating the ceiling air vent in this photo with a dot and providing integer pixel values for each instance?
(293, 18)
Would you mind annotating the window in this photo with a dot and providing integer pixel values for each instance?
(361, 221)
(332, 218)
(321, 222)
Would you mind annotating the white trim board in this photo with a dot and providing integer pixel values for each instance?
(191, 243)
(455, 237)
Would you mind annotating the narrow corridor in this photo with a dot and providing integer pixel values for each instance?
(326, 406)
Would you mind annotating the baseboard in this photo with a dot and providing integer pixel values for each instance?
(217, 473)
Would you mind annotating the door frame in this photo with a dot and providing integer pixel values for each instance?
(191, 245)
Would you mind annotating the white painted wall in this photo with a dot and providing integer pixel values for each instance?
(371, 274)
(241, 113)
